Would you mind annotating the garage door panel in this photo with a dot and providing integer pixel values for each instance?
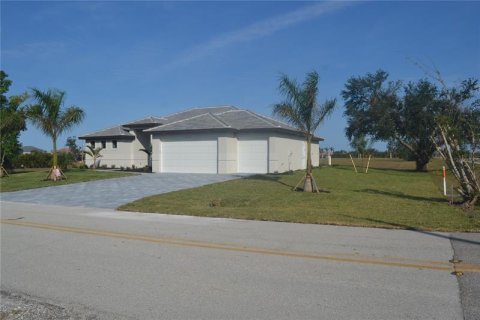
(189, 155)
(253, 156)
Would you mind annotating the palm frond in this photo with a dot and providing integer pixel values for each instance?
(47, 114)
(300, 107)
(69, 118)
(323, 112)
(290, 90)
(289, 113)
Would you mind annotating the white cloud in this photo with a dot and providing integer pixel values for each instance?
(258, 30)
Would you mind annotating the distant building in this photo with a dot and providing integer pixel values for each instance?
(64, 150)
(30, 149)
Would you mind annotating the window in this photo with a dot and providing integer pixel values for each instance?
(104, 144)
(114, 144)
(92, 144)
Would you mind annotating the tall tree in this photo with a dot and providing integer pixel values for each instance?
(302, 110)
(75, 150)
(12, 122)
(458, 136)
(375, 107)
(49, 116)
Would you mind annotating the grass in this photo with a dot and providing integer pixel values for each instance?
(388, 196)
(35, 178)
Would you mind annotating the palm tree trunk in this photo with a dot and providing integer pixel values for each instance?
(308, 186)
(54, 152)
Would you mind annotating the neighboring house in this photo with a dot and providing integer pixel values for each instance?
(205, 140)
(64, 150)
(30, 149)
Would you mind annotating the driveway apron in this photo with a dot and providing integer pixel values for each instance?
(111, 193)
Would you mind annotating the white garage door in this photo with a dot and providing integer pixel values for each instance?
(189, 154)
(253, 156)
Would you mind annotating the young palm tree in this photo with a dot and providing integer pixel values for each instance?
(94, 153)
(48, 116)
(301, 109)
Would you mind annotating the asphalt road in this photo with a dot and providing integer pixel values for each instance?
(467, 248)
(112, 265)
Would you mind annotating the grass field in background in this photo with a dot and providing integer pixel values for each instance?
(35, 178)
(391, 195)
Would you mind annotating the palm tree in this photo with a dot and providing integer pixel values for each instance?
(301, 109)
(48, 116)
(94, 153)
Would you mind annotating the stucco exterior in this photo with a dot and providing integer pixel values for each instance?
(220, 140)
(119, 157)
(285, 152)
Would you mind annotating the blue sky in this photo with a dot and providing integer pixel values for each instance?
(121, 61)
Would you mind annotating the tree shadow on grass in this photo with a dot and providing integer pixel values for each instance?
(384, 170)
(411, 228)
(402, 195)
(276, 178)
(270, 177)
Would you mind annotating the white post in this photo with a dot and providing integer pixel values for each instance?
(444, 181)
(329, 160)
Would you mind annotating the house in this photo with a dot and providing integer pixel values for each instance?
(205, 140)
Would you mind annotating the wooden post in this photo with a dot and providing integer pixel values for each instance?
(368, 163)
(353, 163)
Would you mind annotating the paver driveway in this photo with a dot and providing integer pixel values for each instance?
(112, 193)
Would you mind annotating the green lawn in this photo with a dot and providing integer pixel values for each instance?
(35, 178)
(389, 198)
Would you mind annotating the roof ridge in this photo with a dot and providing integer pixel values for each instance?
(147, 117)
(234, 110)
(175, 122)
(261, 118)
(220, 121)
(284, 123)
(196, 108)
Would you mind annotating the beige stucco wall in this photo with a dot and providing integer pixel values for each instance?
(289, 153)
(156, 149)
(142, 140)
(120, 157)
(227, 153)
(315, 154)
(285, 152)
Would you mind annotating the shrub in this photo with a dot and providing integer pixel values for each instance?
(65, 160)
(34, 160)
(112, 166)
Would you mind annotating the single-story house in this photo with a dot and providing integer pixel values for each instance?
(205, 140)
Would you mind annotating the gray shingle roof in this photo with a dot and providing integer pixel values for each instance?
(148, 121)
(223, 118)
(210, 118)
(114, 132)
(195, 112)
(199, 122)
